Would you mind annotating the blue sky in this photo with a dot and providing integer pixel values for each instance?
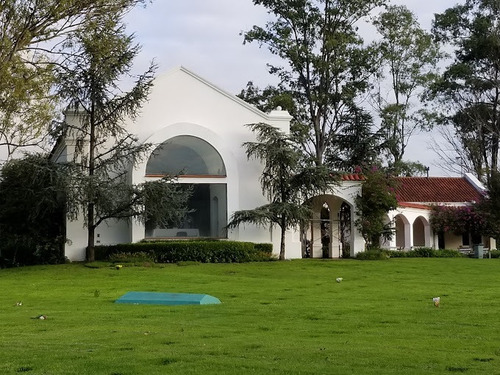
(204, 36)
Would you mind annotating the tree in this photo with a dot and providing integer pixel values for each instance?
(459, 220)
(30, 32)
(32, 206)
(327, 66)
(267, 99)
(376, 199)
(488, 210)
(469, 89)
(357, 145)
(408, 63)
(101, 56)
(285, 181)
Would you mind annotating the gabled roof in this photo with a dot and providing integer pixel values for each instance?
(436, 190)
(276, 114)
(217, 89)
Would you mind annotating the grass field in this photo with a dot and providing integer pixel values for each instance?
(275, 318)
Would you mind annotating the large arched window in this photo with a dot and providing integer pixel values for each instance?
(191, 157)
(185, 155)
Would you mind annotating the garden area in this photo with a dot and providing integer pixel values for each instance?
(291, 317)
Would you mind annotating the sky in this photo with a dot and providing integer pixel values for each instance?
(205, 37)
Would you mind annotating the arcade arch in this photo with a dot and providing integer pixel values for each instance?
(328, 233)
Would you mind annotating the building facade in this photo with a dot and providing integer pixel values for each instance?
(416, 196)
(198, 131)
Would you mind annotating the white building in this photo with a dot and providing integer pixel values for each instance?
(416, 196)
(200, 129)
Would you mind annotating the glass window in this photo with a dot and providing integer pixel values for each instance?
(208, 216)
(185, 155)
(465, 239)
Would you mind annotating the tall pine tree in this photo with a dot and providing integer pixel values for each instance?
(100, 59)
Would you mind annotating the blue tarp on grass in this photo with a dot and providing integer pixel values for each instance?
(154, 298)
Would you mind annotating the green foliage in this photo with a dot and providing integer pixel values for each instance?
(495, 254)
(264, 247)
(373, 254)
(408, 169)
(185, 251)
(409, 57)
(357, 144)
(459, 220)
(267, 99)
(32, 206)
(376, 200)
(30, 35)
(468, 90)
(425, 252)
(325, 64)
(162, 203)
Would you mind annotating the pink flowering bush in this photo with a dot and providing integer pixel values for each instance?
(459, 220)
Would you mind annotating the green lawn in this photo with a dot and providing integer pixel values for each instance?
(275, 318)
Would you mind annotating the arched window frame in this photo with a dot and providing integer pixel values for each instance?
(202, 144)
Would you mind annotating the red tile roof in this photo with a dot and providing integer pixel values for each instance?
(435, 189)
(414, 205)
(353, 177)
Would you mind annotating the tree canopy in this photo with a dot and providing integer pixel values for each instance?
(30, 35)
(469, 89)
(33, 191)
(325, 64)
(409, 57)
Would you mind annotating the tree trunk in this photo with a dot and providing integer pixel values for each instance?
(90, 233)
(90, 205)
(282, 242)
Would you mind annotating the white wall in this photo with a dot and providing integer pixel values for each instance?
(182, 103)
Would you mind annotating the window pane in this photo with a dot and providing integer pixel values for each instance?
(185, 155)
(207, 219)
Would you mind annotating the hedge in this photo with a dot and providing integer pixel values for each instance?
(494, 254)
(424, 252)
(197, 251)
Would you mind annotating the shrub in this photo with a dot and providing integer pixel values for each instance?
(136, 257)
(374, 254)
(264, 247)
(424, 252)
(495, 253)
(32, 212)
(446, 253)
(185, 251)
(22, 251)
